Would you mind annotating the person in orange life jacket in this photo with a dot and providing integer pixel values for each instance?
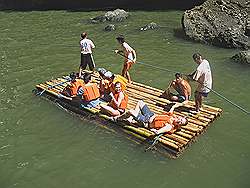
(106, 84)
(118, 102)
(130, 56)
(167, 122)
(182, 87)
(72, 89)
(89, 92)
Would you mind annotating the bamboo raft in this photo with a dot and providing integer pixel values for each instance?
(171, 144)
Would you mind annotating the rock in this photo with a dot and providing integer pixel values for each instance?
(117, 15)
(98, 19)
(242, 57)
(150, 26)
(110, 27)
(218, 22)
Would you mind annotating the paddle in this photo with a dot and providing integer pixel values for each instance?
(155, 141)
(51, 86)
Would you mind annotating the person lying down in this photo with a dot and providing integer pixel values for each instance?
(167, 122)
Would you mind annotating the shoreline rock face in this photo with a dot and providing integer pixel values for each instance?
(242, 57)
(222, 23)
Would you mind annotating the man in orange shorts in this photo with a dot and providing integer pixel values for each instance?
(129, 54)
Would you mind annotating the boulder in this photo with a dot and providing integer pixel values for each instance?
(150, 26)
(218, 22)
(242, 57)
(117, 15)
(110, 27)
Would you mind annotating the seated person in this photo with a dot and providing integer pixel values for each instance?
(71, 90)
(89, 92)
(107, 83)
(118, 103)
(164, 123)
(181, 86)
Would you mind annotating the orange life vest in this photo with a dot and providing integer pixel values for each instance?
(73, 88)
(91, 92)
(123, 104)
(160, 120)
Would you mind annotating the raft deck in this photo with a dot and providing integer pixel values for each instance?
(171, 144)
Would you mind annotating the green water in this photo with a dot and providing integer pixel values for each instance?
(43, 146)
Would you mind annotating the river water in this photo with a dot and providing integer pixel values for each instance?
(41, 145)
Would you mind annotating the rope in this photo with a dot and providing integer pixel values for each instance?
(215, 92)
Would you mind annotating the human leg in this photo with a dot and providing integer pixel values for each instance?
(110, 110)
(198, 101)
(91, 62)
(83, 64)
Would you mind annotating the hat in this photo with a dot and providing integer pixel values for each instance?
(108, 74)
(101, 71)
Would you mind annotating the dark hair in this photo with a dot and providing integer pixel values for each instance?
(120, 38)
(72, 76)
(118, 83)
(196, 56)
(178, 127)
(177, 75)
(83, 35)
(86, 78)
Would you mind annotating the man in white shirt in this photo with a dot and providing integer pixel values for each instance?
(203, 77)
(129, 54)
(86, 46)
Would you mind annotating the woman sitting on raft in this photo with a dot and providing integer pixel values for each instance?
(118, 103)
(167, 122)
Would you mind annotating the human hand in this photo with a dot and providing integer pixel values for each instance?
(116, 51)
(111, 95)
(155, 131)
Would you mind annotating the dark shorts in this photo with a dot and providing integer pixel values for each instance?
(87, 59)
(181, 98)
(201, 93)
(145, 115)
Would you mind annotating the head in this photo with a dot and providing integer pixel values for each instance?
(118, 87)
(87, 78)
(120, 39)
(197, 58)
(180, 121)
(178, 76)
(72, 76)
(84, 35)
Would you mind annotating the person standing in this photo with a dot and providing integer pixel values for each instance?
(203, 77)
(86, 46)
(129, 54)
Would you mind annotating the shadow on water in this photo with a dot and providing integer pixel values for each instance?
(80, 5)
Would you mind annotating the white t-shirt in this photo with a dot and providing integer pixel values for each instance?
(128, 51)
(204, 76)
(86, 46)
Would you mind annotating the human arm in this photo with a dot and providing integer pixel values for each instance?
(167, 128)
(134, 55)
(175, 106)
